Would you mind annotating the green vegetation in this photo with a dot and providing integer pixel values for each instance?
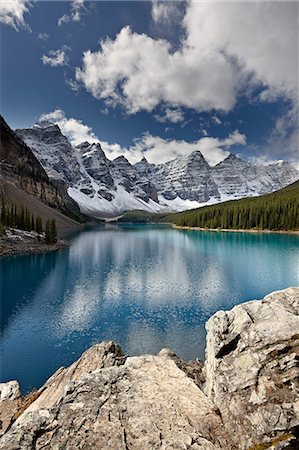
(2, 230)
(276, 211)
(21, 218)
(51, 232)
(139, 216)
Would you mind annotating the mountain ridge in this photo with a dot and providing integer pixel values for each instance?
(104, 187)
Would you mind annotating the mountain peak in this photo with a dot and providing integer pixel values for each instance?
(232, 157)
(46, 124)
(121, 159)
(196, 153)
(84, 144)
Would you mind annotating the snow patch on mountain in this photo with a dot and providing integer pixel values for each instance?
(105, 188)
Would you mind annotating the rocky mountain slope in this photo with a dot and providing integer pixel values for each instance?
(98, 185)
(107, 188)
(21, 171)
(244, 397)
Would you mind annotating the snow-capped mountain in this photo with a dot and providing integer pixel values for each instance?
(103, 188)
(188, 177)
(100, 187)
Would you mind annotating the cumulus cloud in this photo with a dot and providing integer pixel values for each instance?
(12, 13)
(285, 133)
(139, 72)
(74, 129)
(77, 6)
(56, 58)
(171, 115)
(154, 148)
(159, 150)
(226, 47)
(166, 12)
(262, 36)
(77, 132)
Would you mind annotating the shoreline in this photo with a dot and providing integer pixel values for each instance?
(233, 230)
(15, 250)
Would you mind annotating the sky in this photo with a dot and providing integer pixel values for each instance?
(156, 78)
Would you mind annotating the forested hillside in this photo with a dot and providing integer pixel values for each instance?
(276, 211)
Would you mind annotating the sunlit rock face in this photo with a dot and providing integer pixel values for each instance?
(252, 368)
(246, 396)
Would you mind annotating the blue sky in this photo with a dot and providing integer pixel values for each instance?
(156, 78)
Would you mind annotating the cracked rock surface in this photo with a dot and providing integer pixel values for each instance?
(252, 368)
(245, 396)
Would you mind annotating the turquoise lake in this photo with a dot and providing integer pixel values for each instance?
(144, 286)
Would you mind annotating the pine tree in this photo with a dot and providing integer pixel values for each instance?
(53, 231)
(48, 232)
(38, 225)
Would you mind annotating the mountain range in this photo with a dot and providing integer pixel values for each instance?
(105, 188)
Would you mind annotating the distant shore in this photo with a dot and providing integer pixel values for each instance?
(233, 230)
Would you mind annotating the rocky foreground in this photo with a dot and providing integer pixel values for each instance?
(245, 395)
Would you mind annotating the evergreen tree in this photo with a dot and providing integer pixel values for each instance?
(53, 231)
(48, 232)
(38, 225)
(276, 211)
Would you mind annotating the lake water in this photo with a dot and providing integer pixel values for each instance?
(147, 287)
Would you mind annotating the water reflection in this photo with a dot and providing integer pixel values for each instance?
(147, 287)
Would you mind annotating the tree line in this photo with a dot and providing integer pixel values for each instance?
(23, 219)
(276, 211)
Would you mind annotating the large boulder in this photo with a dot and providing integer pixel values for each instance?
(10, 401)
(252, 370)
(105, 401)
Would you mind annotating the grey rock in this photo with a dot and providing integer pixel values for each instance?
(106, 402)
(245, 396)
(252, 370)
(188, 177)
(10, 399)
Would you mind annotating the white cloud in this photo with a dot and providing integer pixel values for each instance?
(74, 129)
(154, 148)
(216, 120)
(166, 12)
(74, 86)
(159, 150)
(77, 132)
(12, 13)
(226, 47)
(139, 72)
(43, 36)
(171, 115)
(77, 6)
(285, 133)
(56, 58)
